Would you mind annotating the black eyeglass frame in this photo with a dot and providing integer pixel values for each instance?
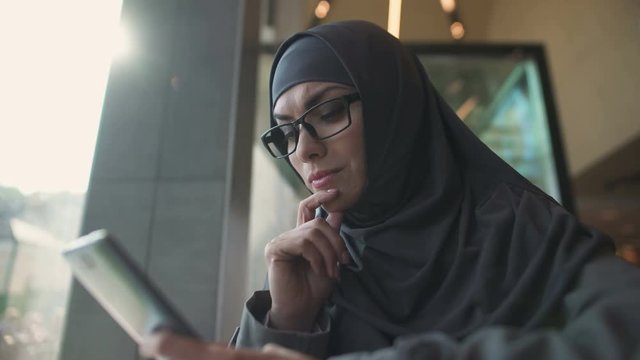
(347, 99)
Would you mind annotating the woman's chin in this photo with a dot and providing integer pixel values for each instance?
(339, 204)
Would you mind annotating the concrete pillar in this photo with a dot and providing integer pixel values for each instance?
(171, 170)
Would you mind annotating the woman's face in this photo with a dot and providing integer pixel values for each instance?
(334, 163)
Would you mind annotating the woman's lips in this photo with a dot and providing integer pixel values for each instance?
(322, 180)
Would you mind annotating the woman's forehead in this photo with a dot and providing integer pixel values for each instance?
(308, 94)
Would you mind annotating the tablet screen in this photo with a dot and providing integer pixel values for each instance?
(121, 287)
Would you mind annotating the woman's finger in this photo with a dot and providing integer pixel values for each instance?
(316, 253)
(335, 220)
(168, 345)
(308, 206)
(332, 236)
(289, 249)
(282, 352)
(324, 238)
(315, 241)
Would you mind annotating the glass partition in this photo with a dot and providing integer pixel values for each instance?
(503, 95)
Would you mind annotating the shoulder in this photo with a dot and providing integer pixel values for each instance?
(515, 195)
(526, 218)
(509, 205)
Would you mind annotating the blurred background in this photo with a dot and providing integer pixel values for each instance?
(143, 117)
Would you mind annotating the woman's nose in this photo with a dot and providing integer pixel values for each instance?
(309, 148)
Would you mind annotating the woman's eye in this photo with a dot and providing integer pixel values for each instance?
(328, 116)
(332, 114)
(287, 131)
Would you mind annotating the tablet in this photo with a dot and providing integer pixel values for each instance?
(120, 286)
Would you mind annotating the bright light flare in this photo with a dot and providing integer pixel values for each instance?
(448, 6)
(457, 30)
(467, 107)
(9, 340)
(121, 43)
(55, 64)
(322, 9)
(395, 15)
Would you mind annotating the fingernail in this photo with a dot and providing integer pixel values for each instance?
(331, 190)
(345, 258)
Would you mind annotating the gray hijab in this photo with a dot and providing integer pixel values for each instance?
(308, 59)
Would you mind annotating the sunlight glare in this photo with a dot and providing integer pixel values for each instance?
(394, 18)
(54, 76)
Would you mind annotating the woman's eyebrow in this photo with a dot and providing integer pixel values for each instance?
(317, 97)
(282, 117)
(314, 99)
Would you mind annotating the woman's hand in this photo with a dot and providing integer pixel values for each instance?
(303, 265)
(168, 346)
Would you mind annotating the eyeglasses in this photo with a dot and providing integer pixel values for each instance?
(322, 121)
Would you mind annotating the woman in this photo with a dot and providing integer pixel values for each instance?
(429, 245)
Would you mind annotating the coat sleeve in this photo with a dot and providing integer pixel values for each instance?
(602, 315)
(253, 332)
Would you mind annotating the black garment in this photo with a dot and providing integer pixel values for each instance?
(600, 321)
(448, 238)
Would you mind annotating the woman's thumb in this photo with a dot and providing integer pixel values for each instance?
(335, 220)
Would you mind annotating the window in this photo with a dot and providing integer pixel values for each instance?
(55, 63)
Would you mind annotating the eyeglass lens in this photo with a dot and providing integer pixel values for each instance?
(325, 120)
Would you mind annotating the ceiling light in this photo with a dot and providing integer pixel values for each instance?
(457, 30)
(322, 9)
(448, 5)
